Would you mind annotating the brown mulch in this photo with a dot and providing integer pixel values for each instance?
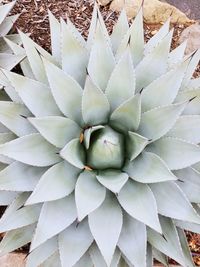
(34, 20)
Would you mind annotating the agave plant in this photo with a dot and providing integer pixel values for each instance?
(100, 158)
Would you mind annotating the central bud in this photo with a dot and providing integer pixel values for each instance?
(106, 150)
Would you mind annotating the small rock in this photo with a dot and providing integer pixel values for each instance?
(191, 34)
(155, 12)
(13, 260)
(104, 2)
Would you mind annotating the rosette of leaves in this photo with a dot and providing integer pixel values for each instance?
(100, 162)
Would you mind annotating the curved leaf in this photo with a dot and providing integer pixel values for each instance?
(77, 240)
(74, 153)
(95, 106)
(149, 168)
(114, 180)
(133, 241)
(88, 133)
(177, 153)
(55, 216)
(139, 202)
(106, 224)
(5, 9)
(57, 182)
(89, 194)
(31, 149)
(63, 130)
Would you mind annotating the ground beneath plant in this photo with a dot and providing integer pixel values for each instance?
(34, 20)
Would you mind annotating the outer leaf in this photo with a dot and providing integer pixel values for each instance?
(89, 194)
(119, 30)
(175, 204)
(139, 202)
(155, 95)
(31, 149)
(66, 91)
(11, 116)
(16, 238)
(114, 180)
(9, 61)
(189, 183)
(135, 144)
(133, 241)
(156, 39)
(20, 218)
(169, 243)
(101, 58)
(74, 54)
(34, 94)
(121, 85)
(193, 108)
(53, 261)
(135, 36)
(99, 261)
(127, 116)
(106, 224)
(176, 56)
(187, 127)
(95, 106)
(5, 9)
(74, 153)
(34, 58)
(58, 182)
(55, 216)
(77, 240)
(63, 130)
(158, 121)
(149, 256)
(177, 153)
(185, 248)
(6, 197)
(192, 227)
(149, 168)
(55, 36)
(159, 256)
(20, 177)
(84, 261)
(42, 253)
(154, 64)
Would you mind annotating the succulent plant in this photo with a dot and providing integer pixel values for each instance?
(100, 161)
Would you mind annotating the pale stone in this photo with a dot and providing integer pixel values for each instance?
(103, 2)
(191, 34)
(13, 260)
(154, 11)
